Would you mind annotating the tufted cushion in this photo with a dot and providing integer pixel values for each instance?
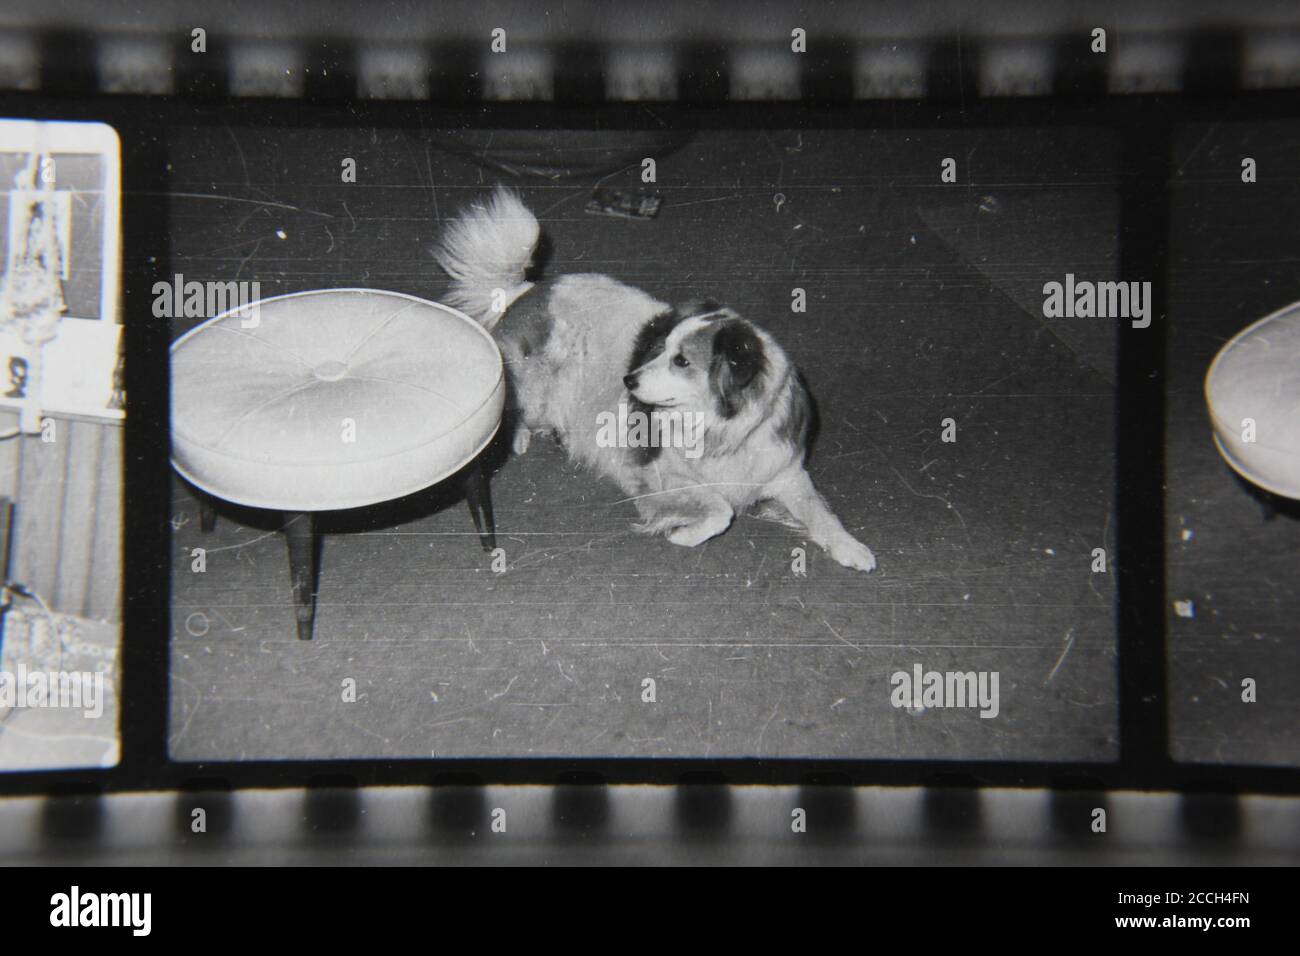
(260, 416)
(1257, 375)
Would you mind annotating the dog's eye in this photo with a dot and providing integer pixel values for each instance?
(680, 360)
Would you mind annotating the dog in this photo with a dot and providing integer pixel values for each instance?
(586, 352)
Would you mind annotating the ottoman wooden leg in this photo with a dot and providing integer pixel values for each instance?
(479, 497)
(300, 533)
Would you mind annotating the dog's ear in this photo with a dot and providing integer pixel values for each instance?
(650, 339)
(738, 358)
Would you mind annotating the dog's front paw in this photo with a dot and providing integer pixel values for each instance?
(693, 535)
(523, 438)
(853, 554)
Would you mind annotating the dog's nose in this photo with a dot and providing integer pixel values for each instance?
(630, 382)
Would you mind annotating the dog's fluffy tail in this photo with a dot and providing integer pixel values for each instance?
(486, 251)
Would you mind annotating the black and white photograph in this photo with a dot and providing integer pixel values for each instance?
(1233, 466)
(61, 416)
(770, 449)
(665, 434)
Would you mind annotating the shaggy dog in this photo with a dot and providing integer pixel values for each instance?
(694, 412)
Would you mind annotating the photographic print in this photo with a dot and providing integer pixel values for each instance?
(1233, 435)
(61, 410)
(737, 442)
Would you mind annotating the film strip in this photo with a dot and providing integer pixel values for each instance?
(509, 64)
(167, 95)
(454, 824)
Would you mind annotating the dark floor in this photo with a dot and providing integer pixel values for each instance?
(924, 302)
(1233, 261)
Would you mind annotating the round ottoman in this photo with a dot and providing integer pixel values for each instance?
(333, 399)
(1255, 378)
